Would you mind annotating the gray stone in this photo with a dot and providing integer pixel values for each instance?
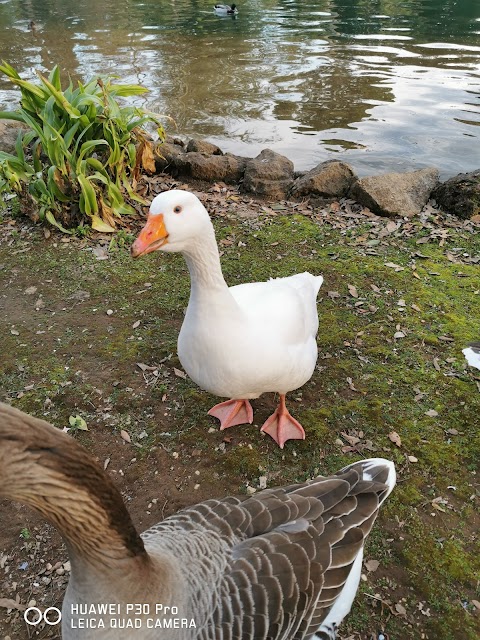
(330, 179)
(202, 146)
(460, 195)
(392, 194)
(174, 140)
(226, 168)
(8, 134)
(269, 174)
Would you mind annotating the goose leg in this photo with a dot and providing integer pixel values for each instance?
(281, 426)
(232, 412)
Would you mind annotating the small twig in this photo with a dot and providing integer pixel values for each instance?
(394, 613)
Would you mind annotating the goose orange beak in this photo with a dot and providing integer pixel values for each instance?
(153, 236)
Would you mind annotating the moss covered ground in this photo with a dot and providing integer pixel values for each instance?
(401, 298)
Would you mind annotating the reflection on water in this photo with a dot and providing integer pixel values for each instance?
(381, 84)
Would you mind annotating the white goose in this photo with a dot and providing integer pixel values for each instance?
(282, 564)
(242, 341)
(472, 354)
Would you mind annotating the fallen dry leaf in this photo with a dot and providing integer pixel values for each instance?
(8, 603)
(452, 432)
(179, 373)
(353, 291)
(431, 413)
(372, 565)
(126, 436)
(353, 440)
(100, 252)
(351, 385)
(145, 367)
(29, 291)
(397, 267)
(395, 438)
(399, 608)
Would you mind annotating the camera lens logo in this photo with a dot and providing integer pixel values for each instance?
(34, 616)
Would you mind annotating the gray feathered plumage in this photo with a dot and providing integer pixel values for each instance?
(282, 564)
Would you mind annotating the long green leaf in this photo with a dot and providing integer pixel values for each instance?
(99, 168)
(54, 78)
(19, 147)
(126, 90)
(8, 70)
(60, 98)
(70, 134)
(51, 219)
(11, 115)
(28, 87)
(91, 204)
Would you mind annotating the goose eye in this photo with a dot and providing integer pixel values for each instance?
(177, 209)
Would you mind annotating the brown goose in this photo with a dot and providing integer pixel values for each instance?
(283, 564)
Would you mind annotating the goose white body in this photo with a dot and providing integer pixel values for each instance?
(252, 338)
(242, 341)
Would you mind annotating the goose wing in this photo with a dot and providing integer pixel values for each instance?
(288, 563)
(283, 307)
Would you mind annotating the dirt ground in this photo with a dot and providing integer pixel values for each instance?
(86, 331)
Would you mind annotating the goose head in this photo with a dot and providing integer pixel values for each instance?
(176, 220)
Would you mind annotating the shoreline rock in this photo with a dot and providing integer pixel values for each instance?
(460, 195)
(269, 174)
(272, 175)
(329, 179)
(394, 194)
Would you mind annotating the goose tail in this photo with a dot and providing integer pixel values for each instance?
(375, 470)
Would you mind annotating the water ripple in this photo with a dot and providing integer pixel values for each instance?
(311, 79)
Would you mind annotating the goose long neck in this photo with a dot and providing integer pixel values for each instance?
(42, 467)
(90, 516)
(203, 261)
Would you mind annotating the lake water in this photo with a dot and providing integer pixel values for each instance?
(382, 84)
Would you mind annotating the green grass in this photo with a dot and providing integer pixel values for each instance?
(367, 384)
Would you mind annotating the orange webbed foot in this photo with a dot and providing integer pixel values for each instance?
(232, 412)
(281, 426)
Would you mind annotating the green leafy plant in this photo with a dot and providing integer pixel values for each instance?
(77, 423)
(82, 153)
